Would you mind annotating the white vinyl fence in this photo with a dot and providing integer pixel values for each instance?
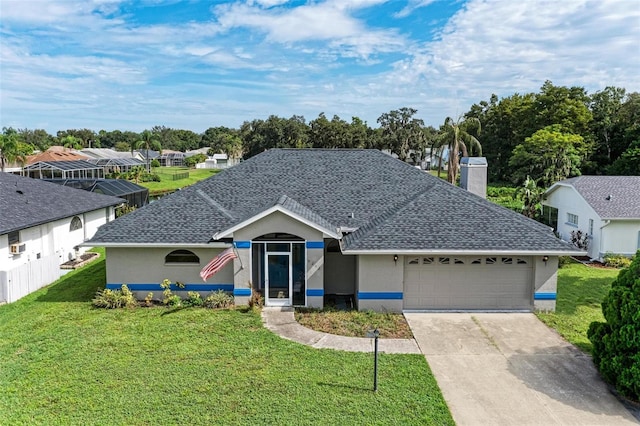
(25, 279)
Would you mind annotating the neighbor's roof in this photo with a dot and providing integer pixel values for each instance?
(392, 206)
(26, 202)
(55, 155)
(612, 197)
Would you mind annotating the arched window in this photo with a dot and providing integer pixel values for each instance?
(181, 256)
(76, 223)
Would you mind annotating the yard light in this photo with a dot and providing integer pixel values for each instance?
(395, 258)
(545, 259)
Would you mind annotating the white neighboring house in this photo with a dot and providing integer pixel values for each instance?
(41, 227)
(606, 208)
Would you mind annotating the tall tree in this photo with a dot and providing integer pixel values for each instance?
(460, 138)
(605, 107)
(223, 140)
(531, 196)
(548, 156)
(9, 150)
(401, 132)
(148, 141)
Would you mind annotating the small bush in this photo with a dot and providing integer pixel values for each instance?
(616, 260)
(114, 299)
(170, 299)
(564, 261)
(193, 299)
(218, 299)
(256, 300)
(150, 177)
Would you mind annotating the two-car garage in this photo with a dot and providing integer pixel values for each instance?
(468, 283)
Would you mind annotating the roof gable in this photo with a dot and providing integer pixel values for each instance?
(26, 202)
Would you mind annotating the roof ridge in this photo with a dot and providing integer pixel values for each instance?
(372, 224)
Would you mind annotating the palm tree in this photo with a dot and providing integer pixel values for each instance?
(531, 196)
(9, 150)
(148, 141)
(455, 135)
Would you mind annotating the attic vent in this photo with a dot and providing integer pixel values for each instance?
(351, 215)
(609, 197)
(19, 192)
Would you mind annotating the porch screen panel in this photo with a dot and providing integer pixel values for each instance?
(257, 263)
(298, 273)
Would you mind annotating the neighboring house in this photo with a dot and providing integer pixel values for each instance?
(117, 165)
(41, 227)
(605, 208)
(56, 153)
(99, 153)
(217, 161)
(309, 224)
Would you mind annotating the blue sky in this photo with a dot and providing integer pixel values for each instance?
(131, 65)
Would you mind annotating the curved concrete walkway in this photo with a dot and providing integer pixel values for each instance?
(282, 322)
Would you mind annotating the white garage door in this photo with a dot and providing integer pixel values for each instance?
(467, 282)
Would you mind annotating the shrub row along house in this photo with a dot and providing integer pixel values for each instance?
(41, 226)
(308, 225)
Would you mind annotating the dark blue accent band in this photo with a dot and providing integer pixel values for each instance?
(544, 296)
(187, 287)
(315, 244)
(242, 244)
(242, 292)
(379, 295)
(315, 292)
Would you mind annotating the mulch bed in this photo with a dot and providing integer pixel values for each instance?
(80, 260)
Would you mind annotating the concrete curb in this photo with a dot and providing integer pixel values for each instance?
(282, 322)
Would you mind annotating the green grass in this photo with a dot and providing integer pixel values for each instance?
(167, 184)
(63, 362)
(581, 290)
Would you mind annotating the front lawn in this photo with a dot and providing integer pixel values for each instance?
(581, 290)
(355, 323)
(63, 362)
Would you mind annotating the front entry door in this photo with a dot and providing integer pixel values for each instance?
(278, 279)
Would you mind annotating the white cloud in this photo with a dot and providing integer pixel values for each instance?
(411, 7)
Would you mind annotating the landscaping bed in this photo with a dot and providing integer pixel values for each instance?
(354, 323)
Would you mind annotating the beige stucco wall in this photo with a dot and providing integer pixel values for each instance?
(379, 274)
(280, 222)
(545, 279)
(621, 237)
(146, 266)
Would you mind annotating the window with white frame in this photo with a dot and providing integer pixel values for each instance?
(572, 219)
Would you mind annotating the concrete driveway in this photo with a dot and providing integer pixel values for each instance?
(511, 369)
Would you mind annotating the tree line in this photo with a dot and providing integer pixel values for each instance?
(546, 136)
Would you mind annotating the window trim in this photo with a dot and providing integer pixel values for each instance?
(182, 252)
(76, 223)
(570, 222)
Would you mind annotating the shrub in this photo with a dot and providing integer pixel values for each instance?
(113, 299)
(616, 342)
(580, 239)
(150, 177)
(256, 300)
(564, 261)
(218, 299)
(193, 299)
(616, 260)
(155, 163)
(169, 298)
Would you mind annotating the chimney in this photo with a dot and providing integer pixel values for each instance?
(473, 175)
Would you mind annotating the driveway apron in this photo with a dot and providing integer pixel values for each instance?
(511, 369)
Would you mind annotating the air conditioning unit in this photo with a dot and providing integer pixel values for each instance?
(17, 248)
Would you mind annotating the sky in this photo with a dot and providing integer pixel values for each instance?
(132, 65)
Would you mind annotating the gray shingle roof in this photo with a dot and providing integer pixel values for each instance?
(394, 205)
(612, 197)
(26, 202)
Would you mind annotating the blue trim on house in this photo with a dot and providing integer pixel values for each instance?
(187, 287)
(544, 296)
(380, 295)
(242, 292)
(242, 244)
(312, 292)
(315, 244)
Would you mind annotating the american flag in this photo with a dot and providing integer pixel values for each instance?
(217, 263)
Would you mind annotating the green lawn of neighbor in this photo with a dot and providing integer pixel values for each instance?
(63, 362)
(581, 290)
(167, 184)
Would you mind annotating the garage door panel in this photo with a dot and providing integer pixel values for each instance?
(495, 283)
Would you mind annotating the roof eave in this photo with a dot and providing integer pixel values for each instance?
(216, 244)
(469, 252)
